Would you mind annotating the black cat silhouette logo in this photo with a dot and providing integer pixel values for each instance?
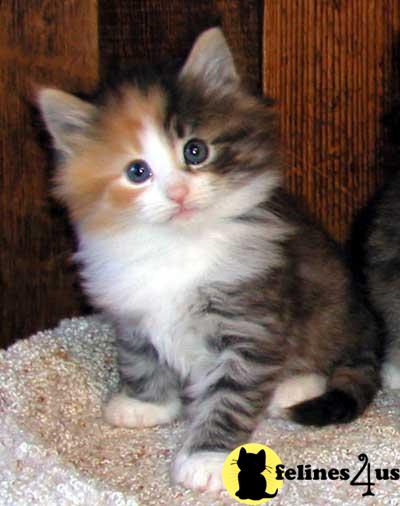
(252, 484)
(249, 474)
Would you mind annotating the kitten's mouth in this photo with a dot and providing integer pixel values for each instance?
(184, 213)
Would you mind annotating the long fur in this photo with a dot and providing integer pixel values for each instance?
(222, 304)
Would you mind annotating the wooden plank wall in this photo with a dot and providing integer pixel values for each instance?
(331, 64)
(154, 31)
(333, 67)
(52, 42)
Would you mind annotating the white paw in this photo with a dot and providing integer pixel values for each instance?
(391, 375)
(124, 411)
(199, 471)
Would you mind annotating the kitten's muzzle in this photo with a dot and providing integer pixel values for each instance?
(178, 193)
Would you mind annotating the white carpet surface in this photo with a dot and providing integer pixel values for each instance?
(56, 450)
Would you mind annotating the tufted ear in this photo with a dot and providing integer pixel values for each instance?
(67, 118)
(211, 62)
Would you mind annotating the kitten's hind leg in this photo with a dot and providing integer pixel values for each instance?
(149, 392)
(354, 377)
(295, 389)
(349, 392)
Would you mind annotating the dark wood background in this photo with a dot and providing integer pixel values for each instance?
(331, 65)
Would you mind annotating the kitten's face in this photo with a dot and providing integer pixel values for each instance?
(196, 151)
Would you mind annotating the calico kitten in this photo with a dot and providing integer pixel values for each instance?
(383, 275)
(222, 293)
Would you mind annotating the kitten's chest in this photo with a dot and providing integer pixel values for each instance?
(171, 304)
(178, 328)
(161, 286)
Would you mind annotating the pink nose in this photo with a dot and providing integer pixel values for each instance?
(178, 192)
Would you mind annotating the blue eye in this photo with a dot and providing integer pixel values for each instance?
(195, 151)
(138, 171)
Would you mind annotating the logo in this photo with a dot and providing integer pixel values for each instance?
(363, 477)
(249, 474)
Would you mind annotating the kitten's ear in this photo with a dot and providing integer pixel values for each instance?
(66, 117)
(242, 452)
(211, 62)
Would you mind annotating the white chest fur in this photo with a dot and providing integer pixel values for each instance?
(158, 275)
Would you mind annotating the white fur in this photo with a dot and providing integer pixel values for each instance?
(156, 272)
(391, 375)
(124, 411)
(199, 471)
(294, 390)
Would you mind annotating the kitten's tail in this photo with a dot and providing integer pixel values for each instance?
(350, 390)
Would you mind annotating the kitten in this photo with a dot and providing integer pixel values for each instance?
(223, 295)
(383, 275)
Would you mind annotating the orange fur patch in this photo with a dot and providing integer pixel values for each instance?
(90, 182)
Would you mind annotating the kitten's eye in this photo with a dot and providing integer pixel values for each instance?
(195, 151)
(138, 171)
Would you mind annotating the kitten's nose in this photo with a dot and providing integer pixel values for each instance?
(178, 192)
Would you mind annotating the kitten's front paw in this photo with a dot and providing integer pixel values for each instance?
(200, 470)
(125, 411)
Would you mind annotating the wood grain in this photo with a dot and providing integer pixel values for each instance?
(49, 42)
(155, 31)
(330, 65)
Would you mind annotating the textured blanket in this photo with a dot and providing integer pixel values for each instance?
(56, 450)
